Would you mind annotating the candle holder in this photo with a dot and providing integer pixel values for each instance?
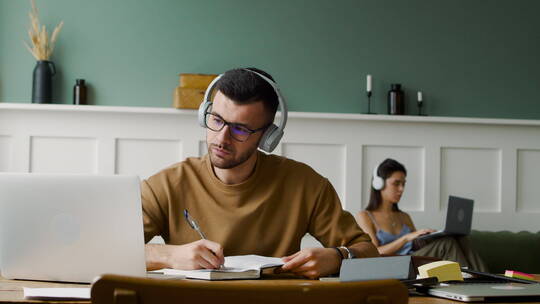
(369, 103)
(420, 104)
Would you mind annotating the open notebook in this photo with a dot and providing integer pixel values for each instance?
(235, 268)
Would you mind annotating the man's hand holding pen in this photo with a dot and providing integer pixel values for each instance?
(205, 253)
(196, 255)
(201, 254)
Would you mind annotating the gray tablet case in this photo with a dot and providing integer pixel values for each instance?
(364, 269)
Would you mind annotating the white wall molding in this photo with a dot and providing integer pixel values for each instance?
(494, 161)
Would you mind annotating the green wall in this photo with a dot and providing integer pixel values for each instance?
(471, 58)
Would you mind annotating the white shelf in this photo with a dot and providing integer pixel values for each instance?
(306, 115)
(91, 108)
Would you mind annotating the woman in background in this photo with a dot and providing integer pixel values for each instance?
(393, 231)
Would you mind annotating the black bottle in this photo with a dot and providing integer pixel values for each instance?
(396, 100)
(79, 93)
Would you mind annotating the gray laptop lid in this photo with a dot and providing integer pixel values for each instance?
(486, 291)
(60, 227)
(459, 216)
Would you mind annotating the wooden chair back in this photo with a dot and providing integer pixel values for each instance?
(114, 289)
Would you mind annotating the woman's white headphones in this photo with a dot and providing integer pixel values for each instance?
(273, 133)
(378, 182)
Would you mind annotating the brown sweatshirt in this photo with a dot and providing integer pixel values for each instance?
(268, 214)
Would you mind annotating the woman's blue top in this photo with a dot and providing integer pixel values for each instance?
(385, 237)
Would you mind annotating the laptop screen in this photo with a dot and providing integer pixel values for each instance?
(70, 227)
(459, 216)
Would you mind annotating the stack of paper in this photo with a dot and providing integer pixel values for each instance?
(57, 293)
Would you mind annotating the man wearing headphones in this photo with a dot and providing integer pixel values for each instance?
(246, 201)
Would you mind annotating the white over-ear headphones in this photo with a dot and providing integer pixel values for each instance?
(273, 133)
(378, 182)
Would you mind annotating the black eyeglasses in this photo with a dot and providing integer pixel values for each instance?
(239, 132)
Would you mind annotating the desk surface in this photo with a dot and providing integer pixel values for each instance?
(11, 291)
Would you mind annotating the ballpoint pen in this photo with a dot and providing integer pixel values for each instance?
(193, 224)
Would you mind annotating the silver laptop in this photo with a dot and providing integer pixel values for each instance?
(481, 292)
(72, 228)
(458, 218)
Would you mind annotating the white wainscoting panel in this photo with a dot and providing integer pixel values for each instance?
(472, 173)
(145, 157)
(63, 155)
(329, 161)
(5, 153)
(413, 158)
(494, 161)
(203, 149)
(528, 181)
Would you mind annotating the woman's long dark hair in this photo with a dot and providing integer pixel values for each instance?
(386, 168)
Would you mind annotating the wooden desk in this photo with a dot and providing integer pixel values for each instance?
(11, 291)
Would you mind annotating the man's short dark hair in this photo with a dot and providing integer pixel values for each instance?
(245, 87)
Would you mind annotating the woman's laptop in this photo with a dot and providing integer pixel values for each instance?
(458, 218)
(60, 227)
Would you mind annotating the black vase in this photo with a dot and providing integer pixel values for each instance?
(42, 82)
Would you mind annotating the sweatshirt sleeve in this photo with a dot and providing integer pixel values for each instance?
(330, 224)
(154, 217)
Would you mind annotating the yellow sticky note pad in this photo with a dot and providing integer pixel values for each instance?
(443, 270)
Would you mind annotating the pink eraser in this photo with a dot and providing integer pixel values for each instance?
(519, 275)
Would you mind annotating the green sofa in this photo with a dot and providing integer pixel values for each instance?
(502, 250)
